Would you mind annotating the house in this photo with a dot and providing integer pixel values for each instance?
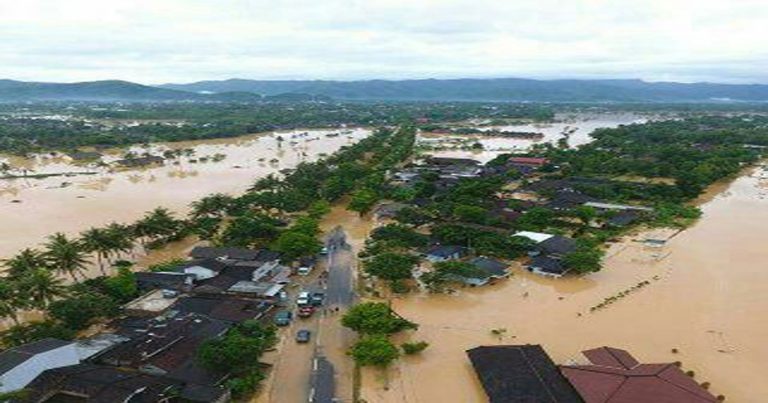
(209, 252)
(140, 161)
(556, 246)
(99, 383)
(528, 161)
(167, 347)
(488, 269)
(622, 219)
(388, 210)
(85, 156)
(226, 308)
(547, 266)
(20, 365)
(520, 374)
(152, 303)
(567, 200)
(446, 161)
(612, 375)
(441, 253)
(202, 269)
(181, 282)
(618, 207)
(537, 237)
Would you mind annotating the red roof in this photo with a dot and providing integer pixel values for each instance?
(614, 376)
(528, 160)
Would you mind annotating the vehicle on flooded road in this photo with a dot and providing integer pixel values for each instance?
(303, 298)
(306, 311)
(303, 336)
(317, 299)
(283, 318)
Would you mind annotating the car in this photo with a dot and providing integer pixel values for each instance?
(306, 311)
(304, 270)
(324, 250)
(283, 318)
(303, 336)
(303, 298)
(317, 299)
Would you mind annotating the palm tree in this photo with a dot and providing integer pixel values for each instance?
(10, 302)
(214, 205)
(40, 287)
(25, 261)
(120, 238)
(97, 240)
(65, 255)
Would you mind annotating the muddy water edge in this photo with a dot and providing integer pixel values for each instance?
(705, 307)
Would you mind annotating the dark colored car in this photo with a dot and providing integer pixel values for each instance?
(283, 318)
(317, 299)
(303, 336)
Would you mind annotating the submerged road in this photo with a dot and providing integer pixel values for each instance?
(333, 340)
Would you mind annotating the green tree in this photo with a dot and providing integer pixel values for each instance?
(79, 311)
(375, 318)
(97, 240)
(585, 259)
(11, 301)
(375, 350)
(362, 201)
(65, 255)
(25, 261)
(391, 266)
(414, 347)
(293, 245)
(40, 287)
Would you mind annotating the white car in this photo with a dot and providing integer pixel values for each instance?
(303, 299)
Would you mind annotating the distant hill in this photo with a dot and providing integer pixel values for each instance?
(124, 91)
(504, 89)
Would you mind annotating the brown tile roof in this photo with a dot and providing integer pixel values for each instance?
(614, 376)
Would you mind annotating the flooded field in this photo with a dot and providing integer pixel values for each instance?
(578, 126)
(31, 209)
(706, 299)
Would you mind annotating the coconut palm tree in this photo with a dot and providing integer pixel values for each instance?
(10, 301)
(99, 242)
(40, 287)
(26, 260)
(214, 205)
(120, 238)
(65, 255)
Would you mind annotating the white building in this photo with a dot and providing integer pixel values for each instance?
(20, 365)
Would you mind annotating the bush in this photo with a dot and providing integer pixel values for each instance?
(33, 331)
(374, 350)
(414, 348)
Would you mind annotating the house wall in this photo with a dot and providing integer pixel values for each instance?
(23, 374)
(536, 270)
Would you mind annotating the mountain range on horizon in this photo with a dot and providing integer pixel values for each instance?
(496, 90)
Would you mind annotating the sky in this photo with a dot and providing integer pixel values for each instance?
(161, 41)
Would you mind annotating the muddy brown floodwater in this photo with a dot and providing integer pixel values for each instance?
(706, 298)
(72, 204)
(579, 125)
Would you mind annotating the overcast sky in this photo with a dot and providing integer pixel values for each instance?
(157, 41)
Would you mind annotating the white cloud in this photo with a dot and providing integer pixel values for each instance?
(156, 41)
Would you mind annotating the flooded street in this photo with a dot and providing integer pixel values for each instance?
(579, 126)
(706, 299)
(31, 209)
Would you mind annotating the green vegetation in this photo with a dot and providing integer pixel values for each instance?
(414, 347)
(238, 353)
(375, 350)
(374, 321)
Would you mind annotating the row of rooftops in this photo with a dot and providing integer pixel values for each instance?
(150, 354)
(526, 373)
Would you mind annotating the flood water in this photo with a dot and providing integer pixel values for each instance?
(31, 209)
(706, 298)
(579, 126)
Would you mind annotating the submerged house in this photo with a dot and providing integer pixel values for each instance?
(441, 253)
(612, 375)
(548, 254)
(487, 270)
(520, 374)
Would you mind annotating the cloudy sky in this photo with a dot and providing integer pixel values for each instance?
(157, 41)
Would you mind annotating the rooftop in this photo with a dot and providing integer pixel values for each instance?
(520, 374)
(491, 267)
(534, 236)
(204, 252)
(13, 357)
(614, 376)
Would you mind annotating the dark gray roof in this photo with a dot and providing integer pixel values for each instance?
(451, 161)
(211, 264)
(557, 245)
(105, 384)
(548, 265)
(13, 357)
(445, 250)
(623, 218)
(521, 374)
(491, 266)
(568, 200)
(150, 280)
(203, 252)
